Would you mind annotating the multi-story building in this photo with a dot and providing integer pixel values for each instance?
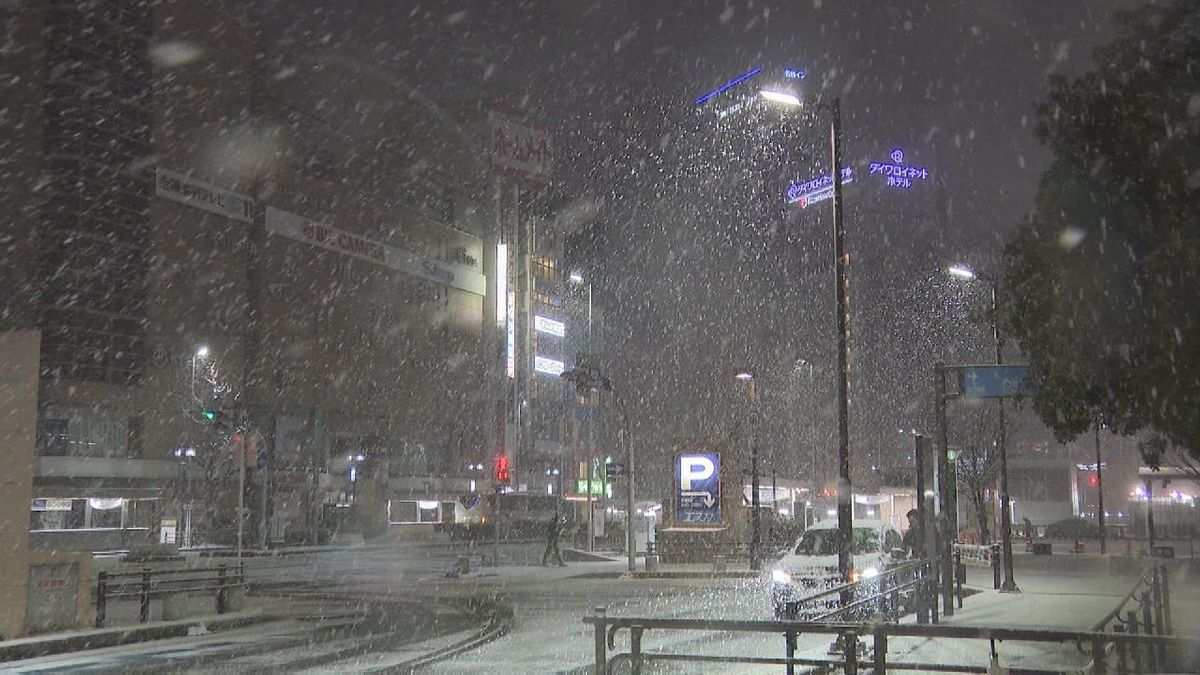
(192, 228)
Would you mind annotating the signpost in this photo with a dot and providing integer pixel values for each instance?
(698, 487)
(994, 381)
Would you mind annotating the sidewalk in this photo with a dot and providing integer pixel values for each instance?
(97, 638)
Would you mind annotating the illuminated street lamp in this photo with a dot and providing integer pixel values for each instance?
(1010, 585)
(756, 526)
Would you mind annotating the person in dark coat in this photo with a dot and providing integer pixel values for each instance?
(914, 539)
(553, 529)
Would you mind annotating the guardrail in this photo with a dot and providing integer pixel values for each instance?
(883, 594)
(149, 584)
(1151, 594)
(1098, 643)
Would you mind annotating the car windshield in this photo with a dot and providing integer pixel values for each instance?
(824, 542)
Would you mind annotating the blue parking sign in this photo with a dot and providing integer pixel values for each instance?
(698, 487)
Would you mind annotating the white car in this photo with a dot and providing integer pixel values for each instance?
(811, 565)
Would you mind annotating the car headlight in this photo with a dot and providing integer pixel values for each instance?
(869, 573)
(781, 577)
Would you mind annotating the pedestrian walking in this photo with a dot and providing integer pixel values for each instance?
(552, 532)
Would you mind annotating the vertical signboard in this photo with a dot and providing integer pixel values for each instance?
(698, 488)
(520, 148)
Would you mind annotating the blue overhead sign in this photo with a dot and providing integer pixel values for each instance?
(995, 381)
(698, 488)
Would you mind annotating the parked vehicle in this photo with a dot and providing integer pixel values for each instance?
(811, 565)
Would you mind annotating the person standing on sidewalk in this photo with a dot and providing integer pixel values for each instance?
(552, 531)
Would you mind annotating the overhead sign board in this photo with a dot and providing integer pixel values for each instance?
(294, 226)
(204, 196)
(520, 148)
(996, 381)
(698, 487)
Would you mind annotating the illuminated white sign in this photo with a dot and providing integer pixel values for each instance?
(544, 325)
(548, 366)
(501, 283)
(510, 336)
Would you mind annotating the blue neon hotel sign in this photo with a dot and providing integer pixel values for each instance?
(816, 189)
(897, 174)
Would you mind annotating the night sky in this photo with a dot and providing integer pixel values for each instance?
(698, 283)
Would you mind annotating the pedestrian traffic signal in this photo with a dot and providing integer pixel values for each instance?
(1093, 480)
(502, 469)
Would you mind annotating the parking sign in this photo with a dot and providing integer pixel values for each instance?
(698, 487)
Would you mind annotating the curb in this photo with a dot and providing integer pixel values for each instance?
(666, 574)
(50, 644)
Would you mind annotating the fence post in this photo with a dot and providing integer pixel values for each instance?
(850, 650)
(1099, 665)
(883, 595)
(1164, 580)
(1148, 629)
(635, 649)
(932, 593)
(221, 599)
(960, 572)
(1122, 664)
(789, 640)
(1135, 651)
(880, 652)
(996, 567)
(601, 647)
(101, 598)
(144, 596)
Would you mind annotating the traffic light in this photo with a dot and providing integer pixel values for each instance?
(1093, 480)
(210, 414)
(502, 469)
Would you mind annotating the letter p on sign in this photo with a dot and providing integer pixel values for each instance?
(694, 468)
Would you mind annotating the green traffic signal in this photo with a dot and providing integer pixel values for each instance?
(210, 415)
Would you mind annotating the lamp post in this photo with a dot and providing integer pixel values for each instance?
(578, 278)
(1100, 491)
(845, 514)
(1009, 585)
(755, 514)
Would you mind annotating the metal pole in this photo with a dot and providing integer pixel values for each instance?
(1010, 584)
(919, 456)
(591, 533)
(630, 511)
(496, 529)
(241, 514)
(755, 518)
(845, 512)
(945, 546)
(1150, 514)
(1100, 493)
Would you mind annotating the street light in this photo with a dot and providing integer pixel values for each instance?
(1009, 585)
(756, 527)
(782, 92)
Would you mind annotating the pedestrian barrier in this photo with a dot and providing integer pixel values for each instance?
(1144, 610)
(875, 656)
(906, 586)
(151, 584)
(975, 553)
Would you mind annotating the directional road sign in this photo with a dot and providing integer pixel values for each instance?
(995, 381)
(614, 469)
(698, 487)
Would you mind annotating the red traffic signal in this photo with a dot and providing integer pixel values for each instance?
(502, 468)
(1093, 480)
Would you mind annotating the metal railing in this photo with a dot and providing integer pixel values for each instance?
(881, 594)
(1098, 643)
(149, 584)
(1144, 610)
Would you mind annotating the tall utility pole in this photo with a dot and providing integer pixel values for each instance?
(1009, 585)
(844, 509)
(1100, 492)
(755, 504)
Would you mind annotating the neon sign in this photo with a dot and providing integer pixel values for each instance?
(727, 86)
(816, 189)
(898, 174)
